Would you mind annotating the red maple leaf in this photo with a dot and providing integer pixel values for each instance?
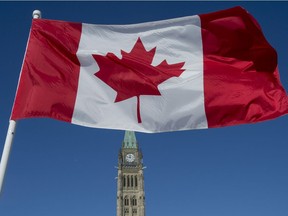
(133, 75)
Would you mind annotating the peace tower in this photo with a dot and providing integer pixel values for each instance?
(130, 181)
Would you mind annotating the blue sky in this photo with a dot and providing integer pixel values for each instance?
(60, 169)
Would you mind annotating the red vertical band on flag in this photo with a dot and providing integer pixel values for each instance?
(50, 72)
(241, 81)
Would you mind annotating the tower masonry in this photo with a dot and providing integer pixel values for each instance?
(130, 181)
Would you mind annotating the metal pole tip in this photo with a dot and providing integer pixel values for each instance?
(36, 14)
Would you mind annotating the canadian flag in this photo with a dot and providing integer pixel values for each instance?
(201, 71)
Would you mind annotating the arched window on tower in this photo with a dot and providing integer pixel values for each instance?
(128, 181)
(134, 201)
(132, 181)
(124, 181)
(126, 201)
(136, 182)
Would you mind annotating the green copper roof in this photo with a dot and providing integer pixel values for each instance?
(129, 140)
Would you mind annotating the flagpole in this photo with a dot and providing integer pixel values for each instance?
(6, 151)
(10, 133)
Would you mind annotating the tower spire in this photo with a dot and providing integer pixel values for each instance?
(130, 140)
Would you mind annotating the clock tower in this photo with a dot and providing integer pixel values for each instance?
(130, 181)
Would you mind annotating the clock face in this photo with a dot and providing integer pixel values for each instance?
(130, 157)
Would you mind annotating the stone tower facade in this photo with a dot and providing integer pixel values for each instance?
(130, 181)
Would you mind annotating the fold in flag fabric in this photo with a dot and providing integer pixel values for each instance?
(201, 71)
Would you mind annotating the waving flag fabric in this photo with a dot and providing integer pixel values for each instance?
(201, 71)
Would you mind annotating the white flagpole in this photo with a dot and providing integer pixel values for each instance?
(10, 133)
(6, 151)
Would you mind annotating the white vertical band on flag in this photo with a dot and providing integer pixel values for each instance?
(181, 103)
